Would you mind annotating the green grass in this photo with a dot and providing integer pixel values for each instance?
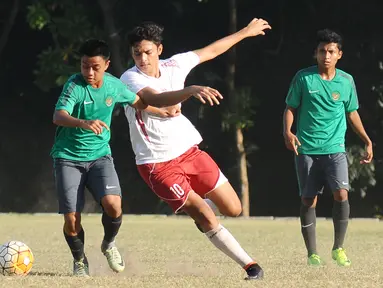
(171, 252)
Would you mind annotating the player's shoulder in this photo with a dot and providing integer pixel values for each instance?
(177, 59)
(307, 72)
(112, 83)
(171, 62)
(130, 74)
(76, 80)
(109, 78)
(344, 76)
(74, 83)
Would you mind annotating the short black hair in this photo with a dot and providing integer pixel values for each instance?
(95, 47)
(329, 36)
(149, 31)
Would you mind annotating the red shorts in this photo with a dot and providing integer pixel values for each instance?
(173, 180)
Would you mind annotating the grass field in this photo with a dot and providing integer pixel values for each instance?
(171, 252)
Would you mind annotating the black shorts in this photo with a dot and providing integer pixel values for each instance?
(315, 171)
(72, 177)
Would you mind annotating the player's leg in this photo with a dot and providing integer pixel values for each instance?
(202, 214)
(337, 178)
(170, 183)
(226, 199)
(104, 185)
(310, 183)
(70, 184)
(207, 180)
(210, 183)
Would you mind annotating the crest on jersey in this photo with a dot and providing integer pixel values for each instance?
(335, 95)
(109, 101)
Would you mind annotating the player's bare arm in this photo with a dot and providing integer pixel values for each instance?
(291, 141)
(62, 118)
(357, 126)
(164, 112)
(149, 96)
(254, 28)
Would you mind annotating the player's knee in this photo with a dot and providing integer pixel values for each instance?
(203, 216)
(309, 202)
(111, 205)
(341, 195)
(232, 211)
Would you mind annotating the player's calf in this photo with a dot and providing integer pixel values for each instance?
(108, 245)
(219, 235)
(76, 245)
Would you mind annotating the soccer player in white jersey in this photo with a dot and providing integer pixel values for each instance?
(165, 142)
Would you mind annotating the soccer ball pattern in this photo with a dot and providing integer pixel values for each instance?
(16, 258)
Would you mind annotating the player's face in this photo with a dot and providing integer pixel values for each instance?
(146, 56)
(327, 55)
(93, 69)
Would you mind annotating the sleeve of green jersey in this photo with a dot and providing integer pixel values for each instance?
(352, 104)
(294, 95)
(68, 97)
(127, 97)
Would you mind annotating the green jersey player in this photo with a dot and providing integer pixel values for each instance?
(322, 97)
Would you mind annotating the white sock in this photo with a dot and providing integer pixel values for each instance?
(224, 241)
(212, 206)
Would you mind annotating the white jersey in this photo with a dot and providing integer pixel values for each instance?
(155, 139)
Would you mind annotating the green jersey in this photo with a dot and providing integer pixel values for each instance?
(321, 110)
(82, 101)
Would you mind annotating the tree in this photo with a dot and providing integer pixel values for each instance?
(237, 118)
(69, 24)
(8, 22)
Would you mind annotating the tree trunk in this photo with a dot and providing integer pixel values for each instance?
(237, 131)
(243, 177)
(8, 24)
(114, 37)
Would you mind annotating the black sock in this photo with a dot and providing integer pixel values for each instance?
(340, 216)
(111, 227)
(308, 225)
(81, 235)
(76, 246)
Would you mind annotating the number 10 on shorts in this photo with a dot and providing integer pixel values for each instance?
(177, 190)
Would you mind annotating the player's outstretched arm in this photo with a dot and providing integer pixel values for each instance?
(166, 112)
(357, 126)
(151, 97)
(62, 118)
(254, 28)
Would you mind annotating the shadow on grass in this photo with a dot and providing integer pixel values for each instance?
(49, 274)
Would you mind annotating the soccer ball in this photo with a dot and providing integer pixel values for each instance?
(16, 258)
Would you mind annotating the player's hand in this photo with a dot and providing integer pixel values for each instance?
(257, 27)
(95, 125)
(168, 113)
(368, 155)
(165, 112)
(206, 94)
(291, 142)
(172, 111)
